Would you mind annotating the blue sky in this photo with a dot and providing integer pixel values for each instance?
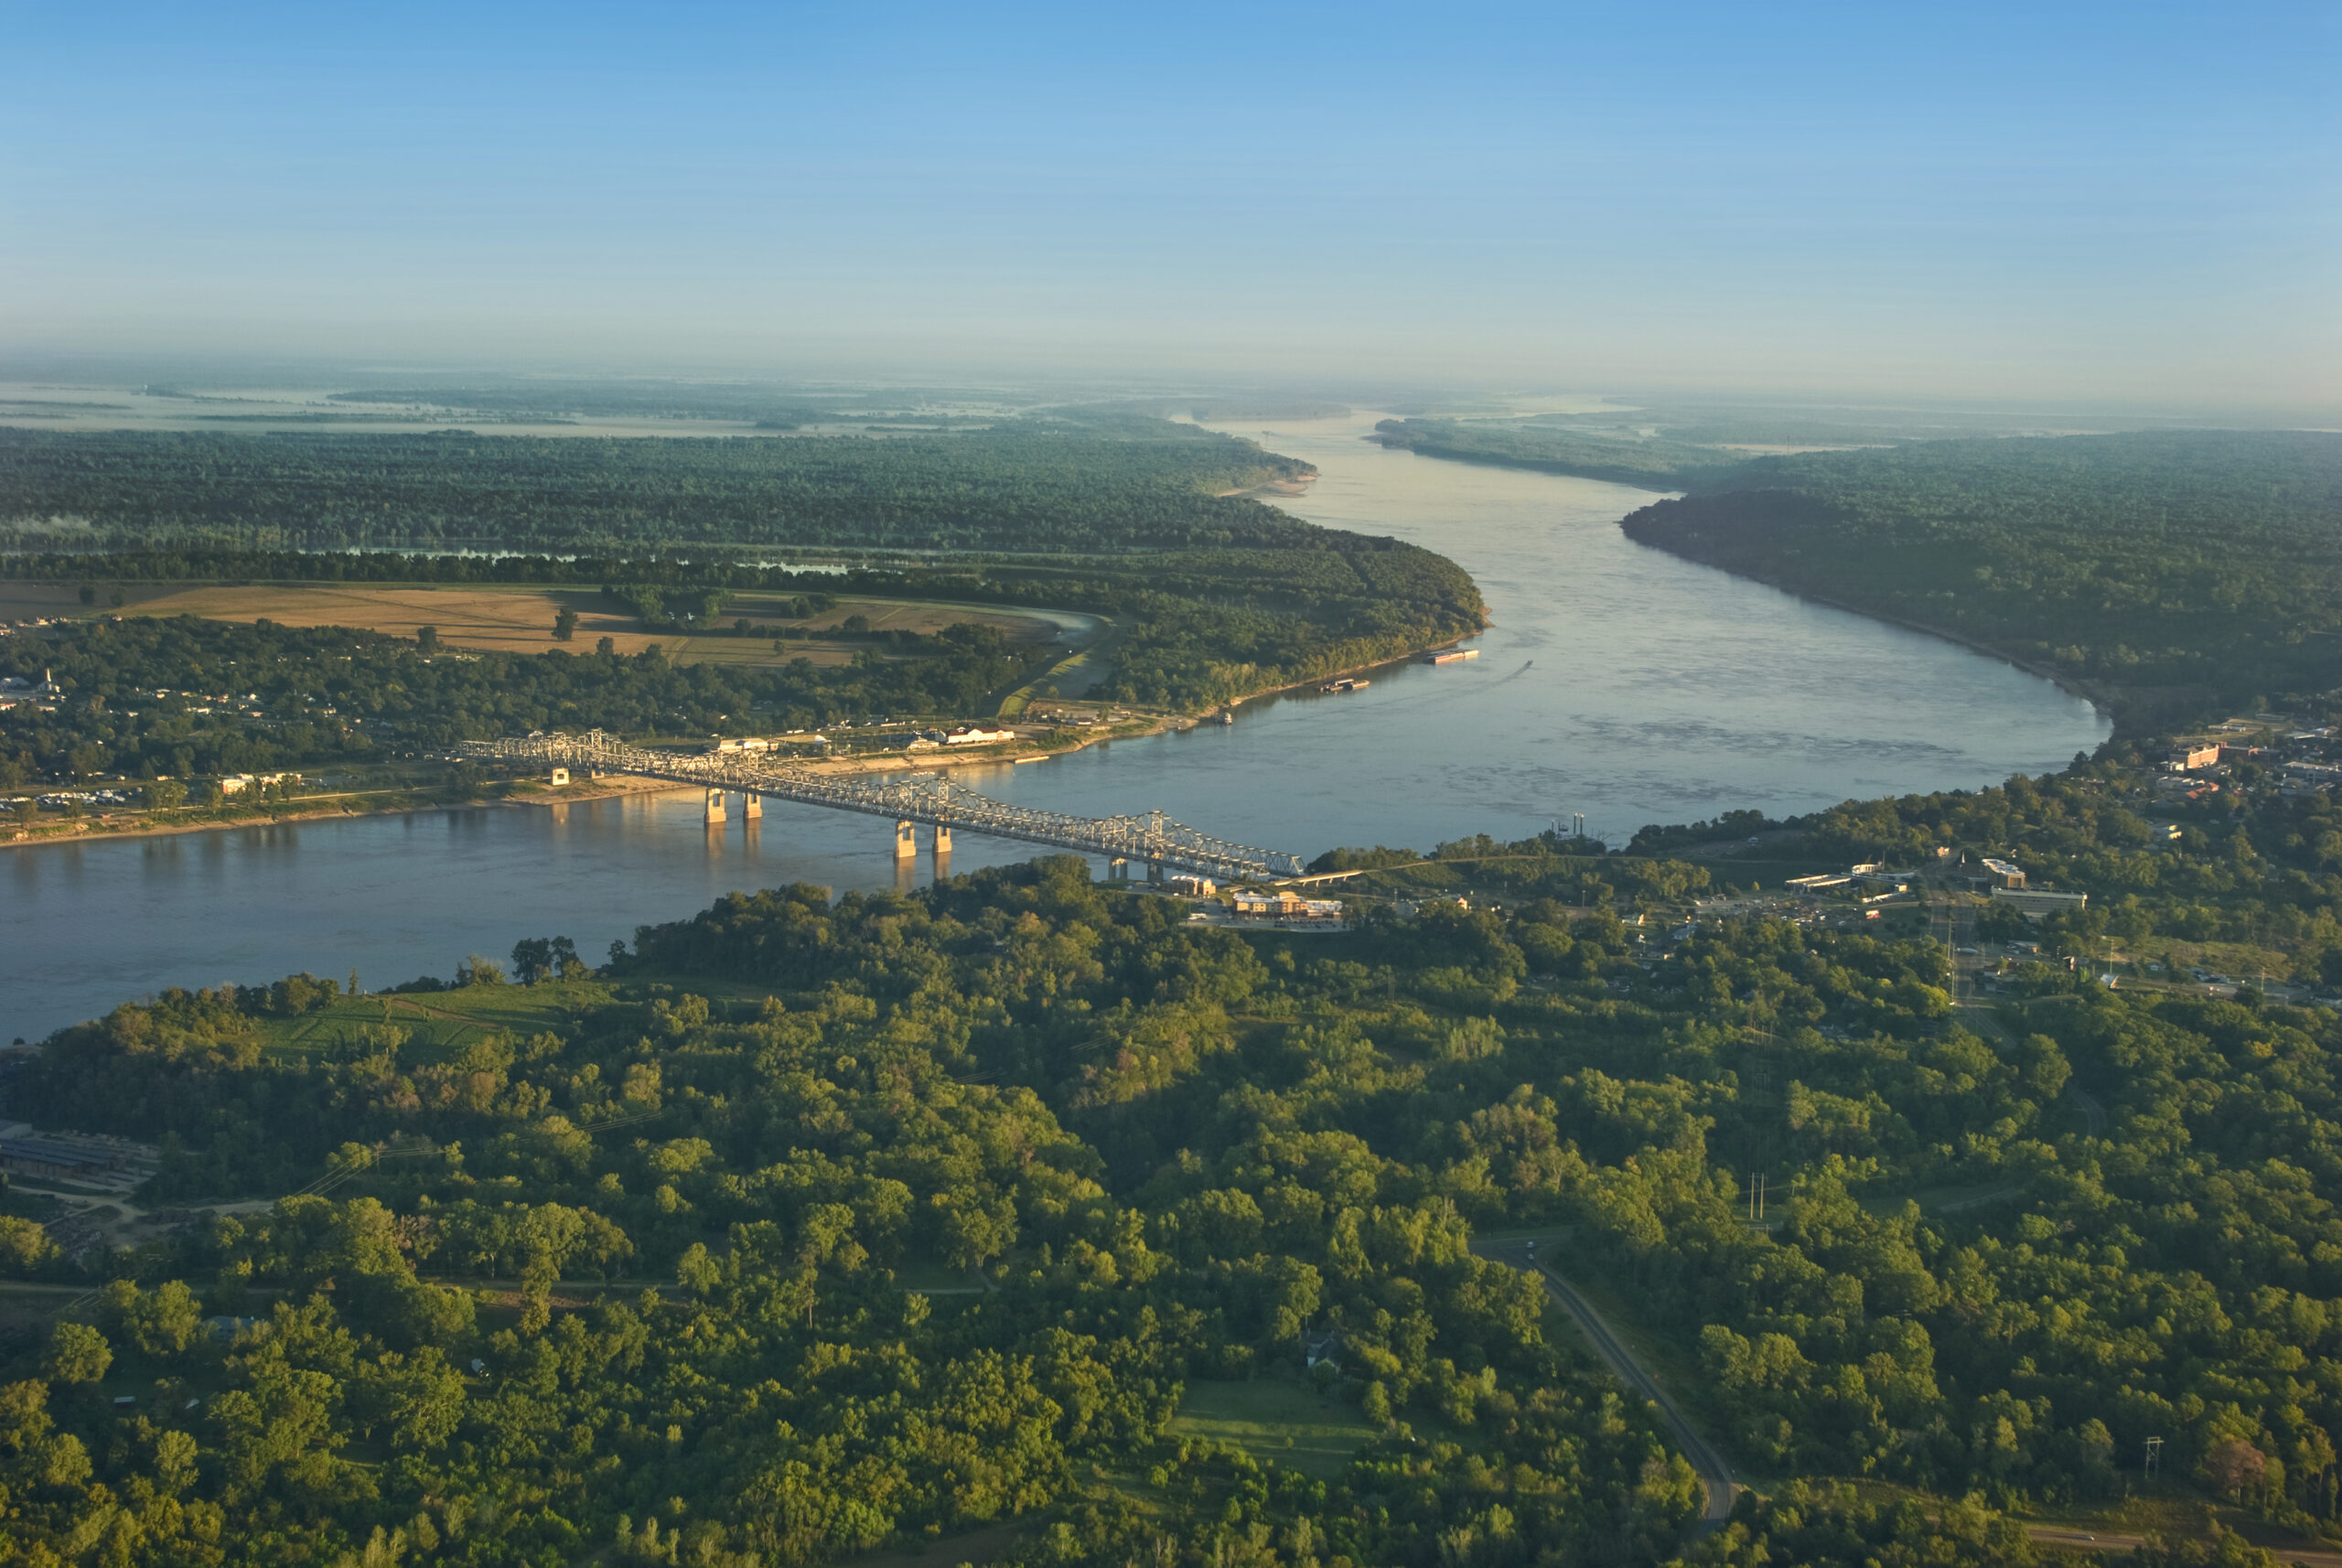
(2137, 202)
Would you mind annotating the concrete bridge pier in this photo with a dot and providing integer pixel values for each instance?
(942, 840)
(752, 806)
(1155, 871)
(905, 840)
(714, 806)
(1117, 869)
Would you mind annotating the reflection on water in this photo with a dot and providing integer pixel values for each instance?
(87, 925)
(1618, 682)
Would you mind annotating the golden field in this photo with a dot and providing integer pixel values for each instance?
(511, 619)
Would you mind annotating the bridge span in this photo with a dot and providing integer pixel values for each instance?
(1152, 839)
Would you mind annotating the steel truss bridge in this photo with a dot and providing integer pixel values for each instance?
(1152, 839)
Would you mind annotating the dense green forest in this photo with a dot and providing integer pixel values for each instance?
(1214, 596)
(1194, 627)
(2001, 1249)
(2162, 572)
(1108, 483)
(946, 1088)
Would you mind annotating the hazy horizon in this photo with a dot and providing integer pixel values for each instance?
(2096, 207)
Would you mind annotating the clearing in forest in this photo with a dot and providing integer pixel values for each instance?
(1272, 1419)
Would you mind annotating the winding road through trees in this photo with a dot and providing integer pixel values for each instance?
(1716, 1475)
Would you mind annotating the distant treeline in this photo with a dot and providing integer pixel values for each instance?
(2168, 574)
(760, 403)
(1659, 463)
(1113, 484)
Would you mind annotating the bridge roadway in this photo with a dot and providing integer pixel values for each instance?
(920, 797)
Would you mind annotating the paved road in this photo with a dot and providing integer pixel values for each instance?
(2075, 1539)
(1716, 1476)
(2093, 1112)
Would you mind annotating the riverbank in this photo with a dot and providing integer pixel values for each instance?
(108, 827)
(2109, 701)
(114, 826)
(2104, 699)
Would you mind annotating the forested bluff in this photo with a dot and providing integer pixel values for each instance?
(2163, 573)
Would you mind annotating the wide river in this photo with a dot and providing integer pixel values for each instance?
(1618, 682)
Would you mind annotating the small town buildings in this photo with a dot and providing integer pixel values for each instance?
(2002, 874)
(1825, 882)
(2033, 903)
(2188, 759)
(88, 1160)
(247, 783)
(1285, 904)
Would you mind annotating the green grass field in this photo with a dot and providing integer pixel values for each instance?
(1286, 1421)
(439, 1023)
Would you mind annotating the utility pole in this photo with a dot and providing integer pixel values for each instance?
(2155, 1454)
